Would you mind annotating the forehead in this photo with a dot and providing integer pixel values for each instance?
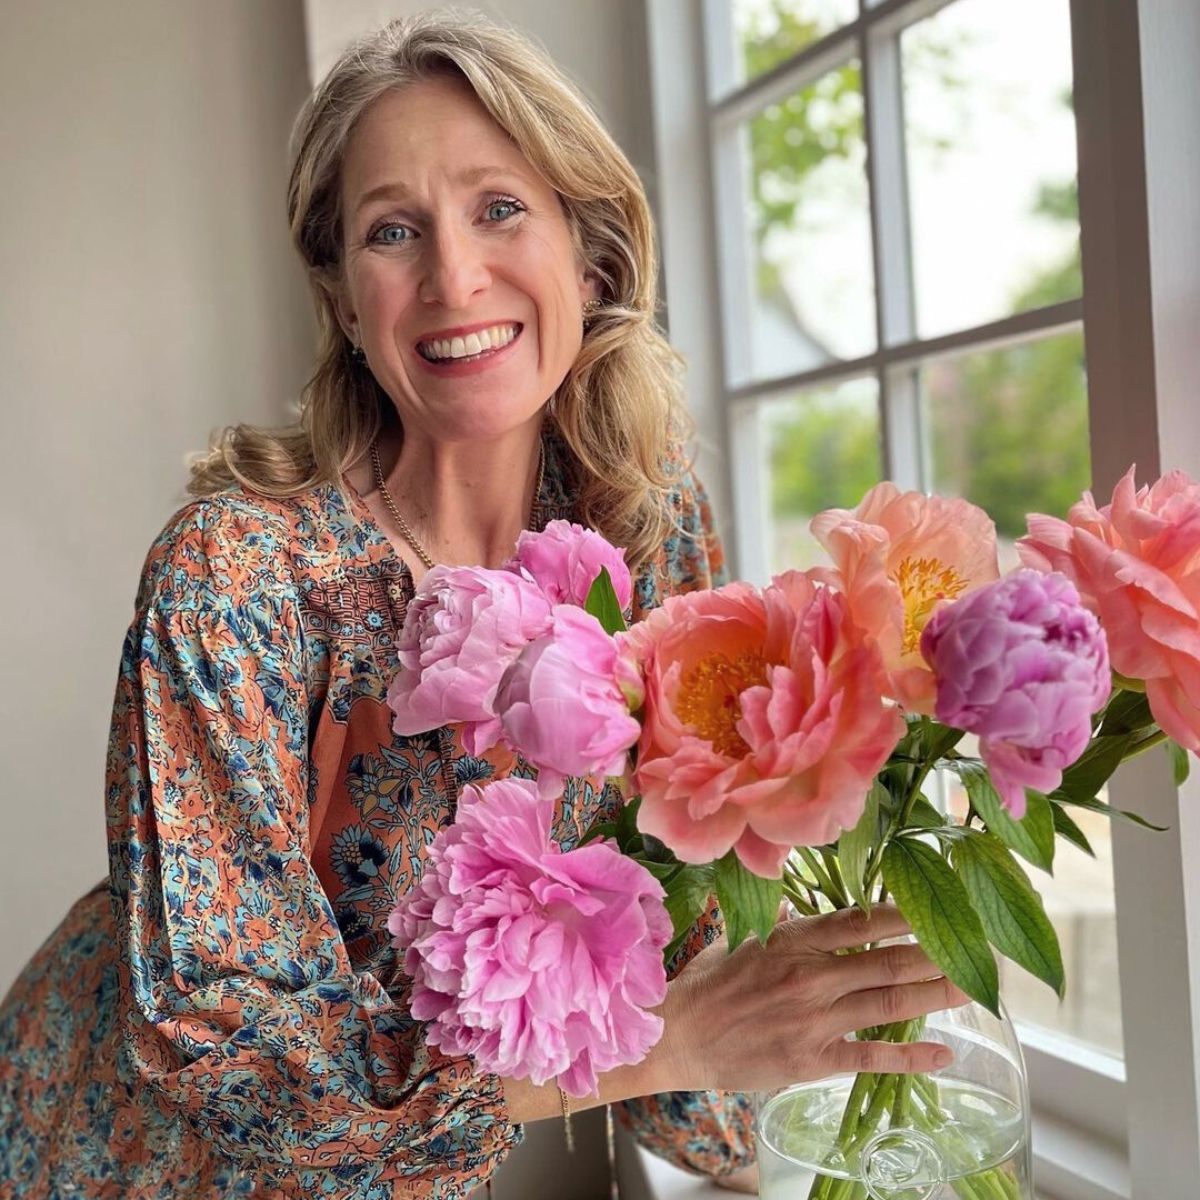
(432, 131)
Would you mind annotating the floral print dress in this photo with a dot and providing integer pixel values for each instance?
(223, 1016)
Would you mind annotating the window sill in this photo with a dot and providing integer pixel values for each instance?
(1068, 1164)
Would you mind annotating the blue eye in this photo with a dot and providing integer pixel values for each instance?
(513, 204)
(379, 235)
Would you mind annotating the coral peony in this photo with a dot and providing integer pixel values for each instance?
(463, 629)
(564, 560)
(1023, 664)
(539, 964)
(764, 720)
(562, 705)
(1136, 563)
(897, 556)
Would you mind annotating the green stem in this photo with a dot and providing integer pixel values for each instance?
(835, 894)
(900, 819)
(834, 869)
(799, 900)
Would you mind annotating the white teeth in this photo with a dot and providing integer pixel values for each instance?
(474, 343)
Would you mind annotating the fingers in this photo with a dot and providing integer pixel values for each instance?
(886, 966)
(902, 1057)
(851, 927)
(903, 1002)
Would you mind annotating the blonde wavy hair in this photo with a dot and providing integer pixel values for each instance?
(619, 409)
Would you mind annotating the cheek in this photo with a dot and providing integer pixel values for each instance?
(379, 291)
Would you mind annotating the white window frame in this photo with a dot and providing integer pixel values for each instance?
(1103, 1129)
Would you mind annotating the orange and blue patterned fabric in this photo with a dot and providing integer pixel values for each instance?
(224, 1016)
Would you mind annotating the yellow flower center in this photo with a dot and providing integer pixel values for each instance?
(709, 698)
(923, 582)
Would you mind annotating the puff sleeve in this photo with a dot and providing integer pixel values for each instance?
(710, 1133)
(240, 1009)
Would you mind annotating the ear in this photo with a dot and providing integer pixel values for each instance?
(589, 286)
(346, 314)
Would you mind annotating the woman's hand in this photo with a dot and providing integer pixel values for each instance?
(768, 1016)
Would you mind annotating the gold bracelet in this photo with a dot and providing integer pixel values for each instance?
(566, 1111)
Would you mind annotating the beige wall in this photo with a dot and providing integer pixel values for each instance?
(148, 294)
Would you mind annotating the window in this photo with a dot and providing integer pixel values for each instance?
(874, 263)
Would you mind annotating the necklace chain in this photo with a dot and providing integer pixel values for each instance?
(402, 524)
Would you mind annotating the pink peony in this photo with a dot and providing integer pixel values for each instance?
(764, 720)
(537, 963)
(562, 705)
(463, 629)
(1136, 563)
(1024, 665)
(564, 560)
(897, 556)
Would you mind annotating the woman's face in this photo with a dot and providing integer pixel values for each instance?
(449, 232)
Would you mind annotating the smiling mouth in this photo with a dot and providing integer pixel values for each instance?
(474, 346)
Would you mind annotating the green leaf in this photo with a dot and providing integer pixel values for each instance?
(601, 829)
(1084, 779)
(1032, 837)
(936, 904)
(855, 845)
(923, 815)
(627, 828)
(749, 902)
(1065, 827)
(1127, 712)
(1107, 810)
(1179, 761)
(602, 603)
(687, 897)
(1009, 908)
(937, 740)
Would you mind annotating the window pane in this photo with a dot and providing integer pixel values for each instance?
(1008, 431)
(812, 285)
(990, 139)
(822, 451)
(771, 31)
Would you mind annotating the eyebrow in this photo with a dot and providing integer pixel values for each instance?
(397, 191)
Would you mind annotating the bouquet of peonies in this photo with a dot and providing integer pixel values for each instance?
(774, 742)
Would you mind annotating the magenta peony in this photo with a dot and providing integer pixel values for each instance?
(564, 560)
(561, 703)
(537, 963)
(1024, 665)
(1136, 563)
(764, 720)
(463, 629)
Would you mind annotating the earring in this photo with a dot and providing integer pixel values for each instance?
(357, 354)
(591, 309)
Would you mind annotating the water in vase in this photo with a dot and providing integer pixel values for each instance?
(958, 1141)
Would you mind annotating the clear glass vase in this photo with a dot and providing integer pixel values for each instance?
(960, 1133)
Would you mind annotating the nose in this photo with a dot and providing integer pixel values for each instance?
(454, 268)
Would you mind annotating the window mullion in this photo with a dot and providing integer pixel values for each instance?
(903, 454)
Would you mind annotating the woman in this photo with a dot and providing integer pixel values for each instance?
(223, 1015)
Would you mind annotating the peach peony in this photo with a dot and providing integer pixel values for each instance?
(764, 720)
(897, 556)
(1136, 563)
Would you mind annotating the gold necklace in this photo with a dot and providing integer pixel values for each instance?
(402, 524)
